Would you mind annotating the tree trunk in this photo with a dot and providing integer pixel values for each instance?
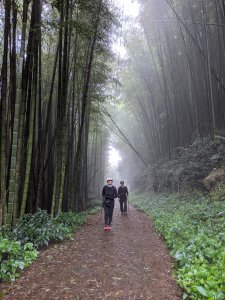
(3, 112)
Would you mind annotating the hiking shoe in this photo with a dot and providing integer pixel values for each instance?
(122, 214)
(109, 228)
(106, 227)
(125, 214)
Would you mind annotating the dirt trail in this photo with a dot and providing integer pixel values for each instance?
(130, 262)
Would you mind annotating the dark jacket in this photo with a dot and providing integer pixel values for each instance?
(122, 192)
(109, 192)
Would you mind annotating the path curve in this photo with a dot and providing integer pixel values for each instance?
(130, 262)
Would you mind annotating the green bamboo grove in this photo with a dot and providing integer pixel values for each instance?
(54, 59)
(173, 82)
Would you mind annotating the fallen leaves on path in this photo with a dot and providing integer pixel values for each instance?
(129, 263)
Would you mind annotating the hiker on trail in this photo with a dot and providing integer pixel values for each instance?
(109, 193)
(122, 195)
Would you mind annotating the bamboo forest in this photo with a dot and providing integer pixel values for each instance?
(112, 149)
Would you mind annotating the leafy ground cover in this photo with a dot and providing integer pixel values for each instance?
(19, 247)
(193, 227)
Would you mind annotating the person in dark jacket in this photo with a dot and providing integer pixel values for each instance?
(122, 195)
(109, 193)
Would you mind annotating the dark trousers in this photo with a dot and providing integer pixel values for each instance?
(109, 213)
(123, 205)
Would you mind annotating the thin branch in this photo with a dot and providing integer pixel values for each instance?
(123, 135)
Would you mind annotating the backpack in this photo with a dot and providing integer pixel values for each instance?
(122, 191)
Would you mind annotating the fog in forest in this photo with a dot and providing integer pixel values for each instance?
(169, 98)
(79, 78)
(133, 90)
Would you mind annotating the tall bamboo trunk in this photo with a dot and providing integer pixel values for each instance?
(209, 76)
(84, 106)
(34, 72)
(58, 142)
(64, 120)
(13, 173)
(3, 118)
(46, 133)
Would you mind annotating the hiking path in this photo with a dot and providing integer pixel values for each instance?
(130, 262)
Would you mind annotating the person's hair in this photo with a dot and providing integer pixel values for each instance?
(121, 182)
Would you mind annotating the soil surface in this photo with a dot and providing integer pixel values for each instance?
(130, 262)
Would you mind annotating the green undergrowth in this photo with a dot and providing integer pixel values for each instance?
(94, 207)
(19, 247)
(188, 166)
(192, 225)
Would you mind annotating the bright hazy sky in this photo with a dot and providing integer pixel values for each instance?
(130, 7)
